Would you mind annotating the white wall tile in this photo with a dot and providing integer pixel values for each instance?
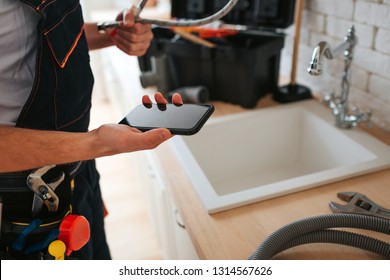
(337, 8)
(370, 70)
(382, 42)
(380, 87)
(372, 13)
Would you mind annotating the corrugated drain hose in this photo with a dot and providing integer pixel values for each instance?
(192, 22)
(317, 229)
(102, 26)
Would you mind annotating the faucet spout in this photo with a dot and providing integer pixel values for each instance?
(339, 105)
(323, 49)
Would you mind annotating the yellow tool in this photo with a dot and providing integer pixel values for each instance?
(57, 249)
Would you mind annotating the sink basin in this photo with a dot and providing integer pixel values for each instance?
(264, 153)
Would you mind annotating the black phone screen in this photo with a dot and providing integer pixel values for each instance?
(185, 119)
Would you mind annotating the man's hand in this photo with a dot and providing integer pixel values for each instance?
(118, 138)
(130, 37)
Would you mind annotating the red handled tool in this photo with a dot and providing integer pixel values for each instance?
(74, 232)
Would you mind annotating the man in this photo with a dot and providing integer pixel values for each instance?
(45, 86)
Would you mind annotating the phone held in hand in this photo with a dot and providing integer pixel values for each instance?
(186, 119)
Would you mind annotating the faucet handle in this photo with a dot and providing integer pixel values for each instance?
(355, 111)
(364, 117)
(328, 98)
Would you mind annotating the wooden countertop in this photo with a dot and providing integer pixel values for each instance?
(236, 233)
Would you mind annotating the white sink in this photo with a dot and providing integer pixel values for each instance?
(264, 153)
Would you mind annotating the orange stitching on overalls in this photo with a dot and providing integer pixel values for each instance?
(63, 18)
(73, 47)
(38, 69)
(38, 8)
(63, 62)
(55, 106)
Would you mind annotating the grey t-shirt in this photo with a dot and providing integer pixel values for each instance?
(18, 47)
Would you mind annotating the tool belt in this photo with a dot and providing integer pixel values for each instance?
(29, 225)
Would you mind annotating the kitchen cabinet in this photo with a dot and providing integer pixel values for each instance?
(170, 228)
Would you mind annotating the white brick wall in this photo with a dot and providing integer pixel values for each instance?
(372, 13)
(329, 20)
(382, 41)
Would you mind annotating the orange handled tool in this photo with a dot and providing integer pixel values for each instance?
(74, 232)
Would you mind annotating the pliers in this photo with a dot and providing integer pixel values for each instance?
(44, 192)
(358, 204)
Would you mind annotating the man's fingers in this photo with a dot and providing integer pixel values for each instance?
(177, 99)
(160, 99)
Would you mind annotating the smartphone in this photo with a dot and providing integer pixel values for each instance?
(186, 119)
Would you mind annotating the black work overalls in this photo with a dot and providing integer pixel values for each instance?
(61, 100)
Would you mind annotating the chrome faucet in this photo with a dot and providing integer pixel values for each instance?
(339, 105)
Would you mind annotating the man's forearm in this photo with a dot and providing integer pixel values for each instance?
(95, 39)
(23, 149)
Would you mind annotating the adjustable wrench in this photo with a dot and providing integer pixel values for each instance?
(358, 203)
(43, 192)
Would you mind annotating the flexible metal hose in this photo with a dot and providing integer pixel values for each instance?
(196, 22)
(316, 229)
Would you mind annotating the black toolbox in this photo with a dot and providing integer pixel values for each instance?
(242, 67)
